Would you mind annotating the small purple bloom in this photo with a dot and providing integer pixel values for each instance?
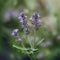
(26, 30)
(22, 17)
(36, 16)
(35, 27)
(16, 35)
(15, 32)
(35, 20)
(24, 24)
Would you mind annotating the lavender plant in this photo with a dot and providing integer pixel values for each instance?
(36, 23)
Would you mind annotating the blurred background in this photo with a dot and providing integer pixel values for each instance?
(49, 11)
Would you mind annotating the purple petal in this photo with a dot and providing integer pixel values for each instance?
(15, 32)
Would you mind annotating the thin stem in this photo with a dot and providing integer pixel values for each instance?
(28, 36)
(34, 37)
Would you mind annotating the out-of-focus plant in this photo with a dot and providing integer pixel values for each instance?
(49, 30)
(28, 47)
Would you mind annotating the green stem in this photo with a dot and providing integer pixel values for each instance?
(33, 56)
(34, 37)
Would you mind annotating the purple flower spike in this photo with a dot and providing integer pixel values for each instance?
(15, 32)
(23, 20)
(35, 20)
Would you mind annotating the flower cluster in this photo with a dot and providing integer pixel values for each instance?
(35, 20)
